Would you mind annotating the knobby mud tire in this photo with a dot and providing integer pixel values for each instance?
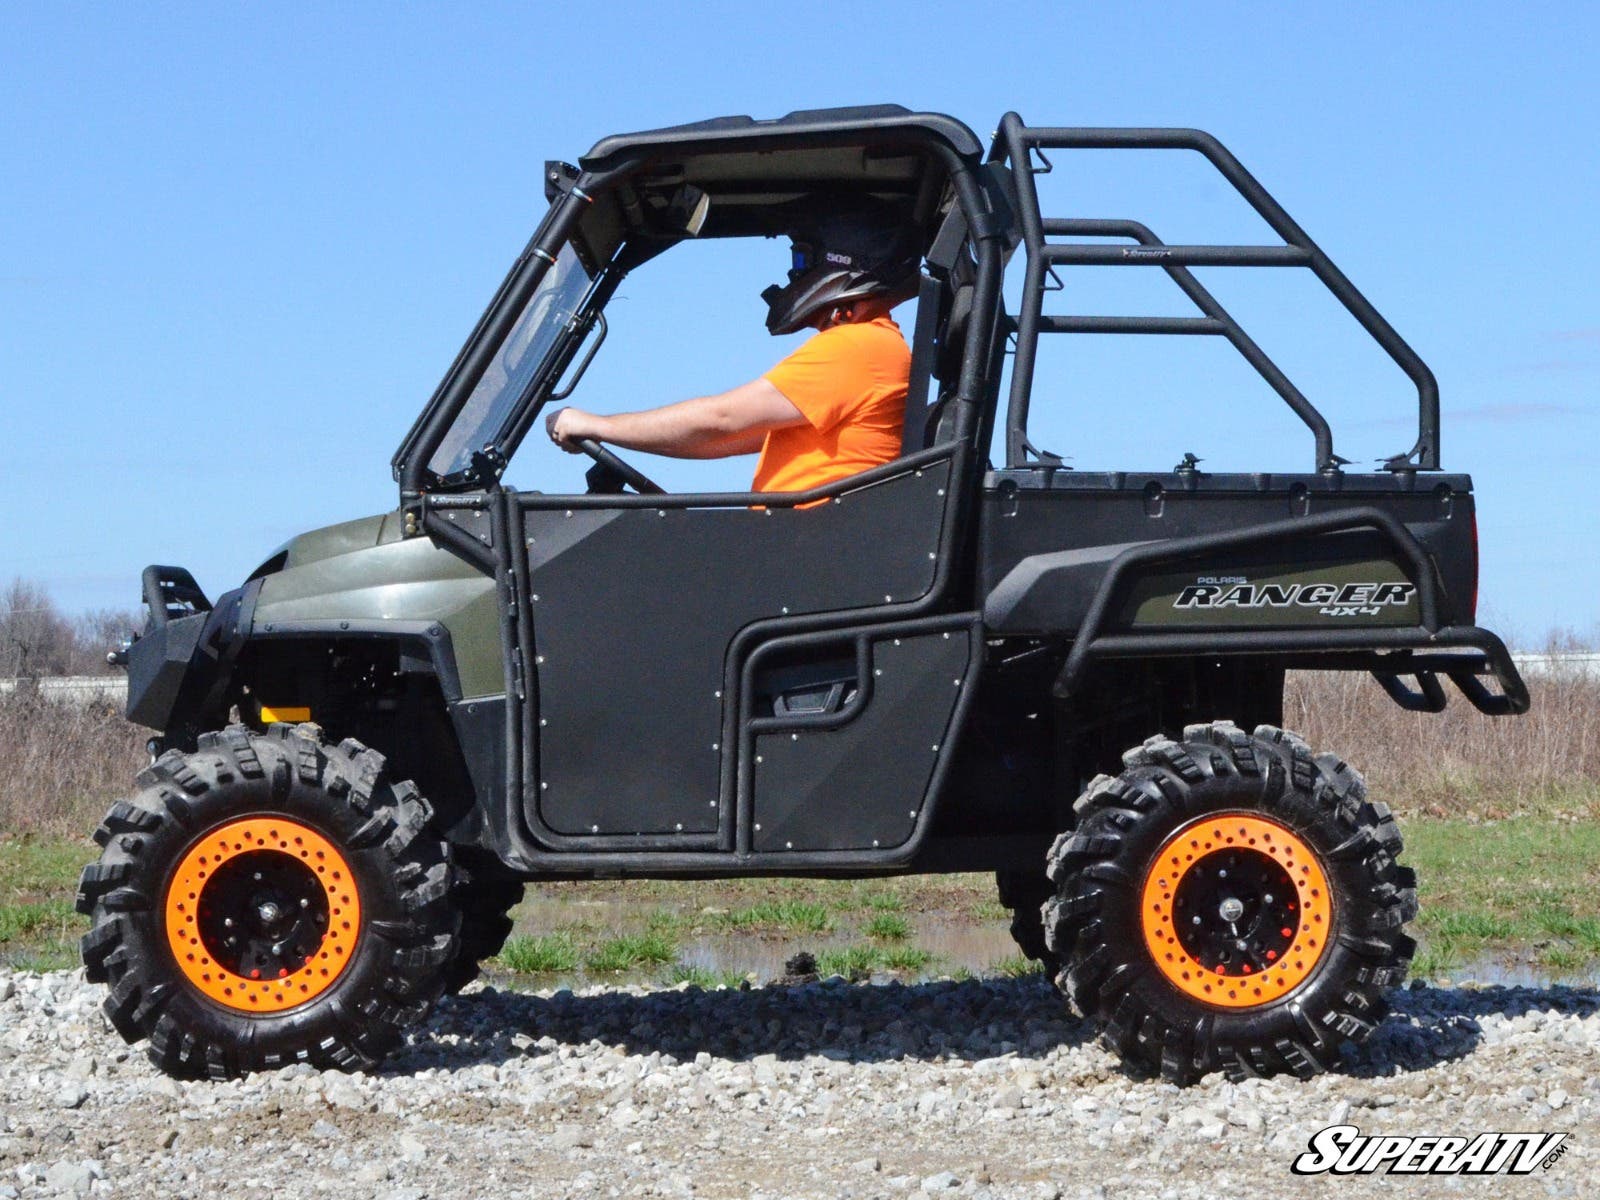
(485, 897)
(401, 870)
(1095, 922)
(1025, 894)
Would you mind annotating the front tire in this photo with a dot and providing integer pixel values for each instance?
(268, 899)
(1230, 901)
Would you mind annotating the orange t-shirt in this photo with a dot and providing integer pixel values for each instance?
(849, 382)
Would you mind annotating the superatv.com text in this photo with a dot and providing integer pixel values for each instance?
(1345, 1150)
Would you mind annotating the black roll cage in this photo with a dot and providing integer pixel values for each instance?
(1017, 146)
(998, 210)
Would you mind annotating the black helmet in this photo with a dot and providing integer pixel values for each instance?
(843, 250)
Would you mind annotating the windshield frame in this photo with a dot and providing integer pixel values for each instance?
(550, 325)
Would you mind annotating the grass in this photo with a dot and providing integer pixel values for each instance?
(847, 961)
(799, 916)
(905, 958)
(631, 950)
(703, 977)
(1516, 885)
(1431, 962)
(887, 926)
(1015, 967)
(856, 960)
(22, 922)
(548, 954)
(39, 930)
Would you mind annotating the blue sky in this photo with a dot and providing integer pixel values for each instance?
(239, 245)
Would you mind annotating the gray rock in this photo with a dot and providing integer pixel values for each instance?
(944, 1181)
(72, 1096)
(170, 1088)
(570, 1137)
(81, 1068)
(1246, 1118)
(74, 1177)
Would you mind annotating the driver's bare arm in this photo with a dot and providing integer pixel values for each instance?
(733, 422)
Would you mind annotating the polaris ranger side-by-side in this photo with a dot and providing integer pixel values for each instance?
(1073, 679)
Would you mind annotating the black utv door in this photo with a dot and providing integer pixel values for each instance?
(705, 674)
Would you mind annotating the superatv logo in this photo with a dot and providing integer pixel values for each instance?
(1330, 599)
(1345, 1150)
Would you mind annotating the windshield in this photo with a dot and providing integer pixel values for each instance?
(514, 366)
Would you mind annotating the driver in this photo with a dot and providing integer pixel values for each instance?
(834, 407)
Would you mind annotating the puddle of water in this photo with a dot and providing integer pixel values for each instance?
(975, 948)
(1509, 970)
(955, 942)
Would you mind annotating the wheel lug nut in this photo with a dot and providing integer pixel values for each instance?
(1267, 899)
(1222, 873)
(304, 903)
(227, 922)
(1197, 920)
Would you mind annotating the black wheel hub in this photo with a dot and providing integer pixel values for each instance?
(262, 915)
(1235, 911)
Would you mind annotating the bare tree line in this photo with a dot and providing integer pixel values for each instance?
(37, 639)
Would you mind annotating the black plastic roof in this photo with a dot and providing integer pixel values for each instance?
(810, 127)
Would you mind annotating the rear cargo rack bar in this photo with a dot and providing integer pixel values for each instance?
(1017, 145)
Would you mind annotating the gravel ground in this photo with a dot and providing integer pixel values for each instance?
(972, 1088)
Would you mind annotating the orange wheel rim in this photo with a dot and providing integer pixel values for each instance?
(263, 914)
(1236, 910)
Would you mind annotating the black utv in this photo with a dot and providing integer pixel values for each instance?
(1073, 679)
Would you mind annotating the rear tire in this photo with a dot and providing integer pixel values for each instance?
(268, 899)
(1147, 921)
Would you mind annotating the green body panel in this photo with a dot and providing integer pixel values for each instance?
(1267, 595)
(365, 571)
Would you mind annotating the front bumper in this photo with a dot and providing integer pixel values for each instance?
(178, 668)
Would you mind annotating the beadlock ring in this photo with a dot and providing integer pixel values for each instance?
(193, 898)
(1306, 920)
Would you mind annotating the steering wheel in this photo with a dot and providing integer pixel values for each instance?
(615, 467)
